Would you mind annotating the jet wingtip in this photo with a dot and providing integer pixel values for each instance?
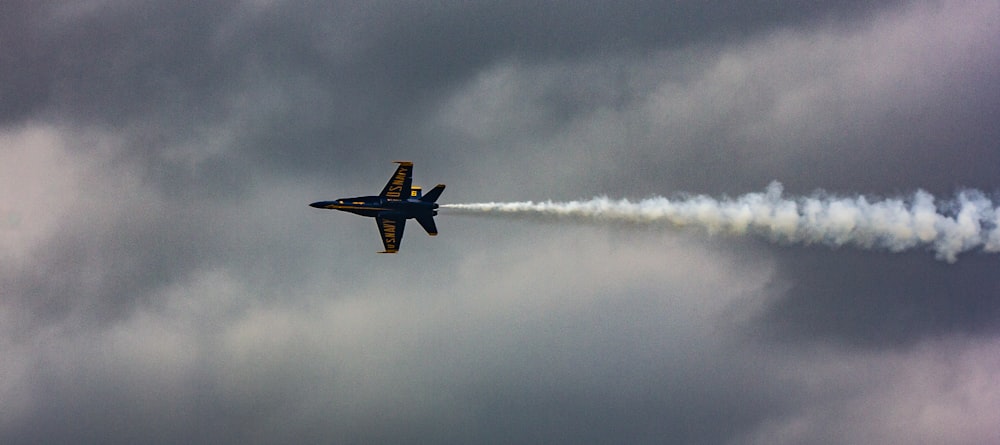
(406, 163)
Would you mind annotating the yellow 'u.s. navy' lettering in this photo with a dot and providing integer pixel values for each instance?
(398, 180)
(389, 234)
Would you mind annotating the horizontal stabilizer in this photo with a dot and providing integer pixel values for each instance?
(427, 222)
(433, 195)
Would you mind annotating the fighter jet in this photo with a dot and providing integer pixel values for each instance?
(399, 201)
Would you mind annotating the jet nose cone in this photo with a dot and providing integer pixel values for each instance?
(318, 204)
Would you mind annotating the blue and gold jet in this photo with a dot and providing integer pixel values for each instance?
(398, 202)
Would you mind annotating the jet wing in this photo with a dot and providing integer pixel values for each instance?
(391, 230)
(399, 184)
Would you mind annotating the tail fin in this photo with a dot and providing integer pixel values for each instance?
(433, 195)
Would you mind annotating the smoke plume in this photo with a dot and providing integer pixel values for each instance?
(966, 222)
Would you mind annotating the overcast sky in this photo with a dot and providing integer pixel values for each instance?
(162, 279)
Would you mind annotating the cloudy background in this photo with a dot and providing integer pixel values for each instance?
(162, 279)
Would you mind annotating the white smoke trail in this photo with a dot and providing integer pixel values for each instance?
(969, 221)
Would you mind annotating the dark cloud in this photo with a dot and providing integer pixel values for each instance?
(884, 300)
(347, 77)
(164, 281)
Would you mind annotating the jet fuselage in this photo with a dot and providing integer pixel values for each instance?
(373, 206)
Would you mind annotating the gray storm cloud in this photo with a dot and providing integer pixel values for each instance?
(966, 222)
